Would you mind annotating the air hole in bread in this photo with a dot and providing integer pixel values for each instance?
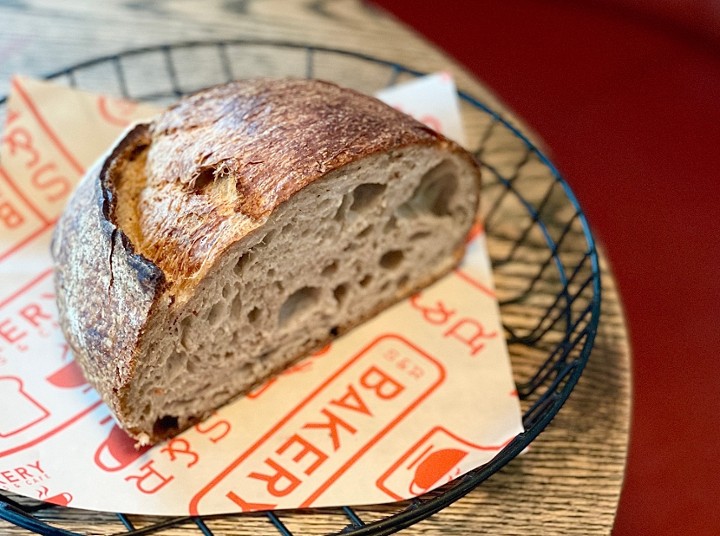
(236, 307)
(365, 231)
(392, 259)
(403, 281)
(242, 262)
(334, 331)
(366, 280)
(185, 325)
(298, 304)
(390, 224)
(227, 291)
(419, 235)
(324, 204)
(137, 151)
(342, 209)
(434, 193)
(165, 426)
(203, 179)
(330, 269)
(268, 238)
(176, 364)
(254, 315)
(216, 314)
(340, 292)
(246, 367)
(365, 195)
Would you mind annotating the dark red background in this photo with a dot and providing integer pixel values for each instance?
(626, 93)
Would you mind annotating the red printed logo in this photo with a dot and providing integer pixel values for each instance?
(61, 499)
(117, 451)
(26, 411)
(431, 462)
(69, 376)
(117, 112)
(304, 453)
(49, 394)
(470, 332)
(22, 475)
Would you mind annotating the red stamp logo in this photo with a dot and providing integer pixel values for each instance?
(117, 112)
(431, 462)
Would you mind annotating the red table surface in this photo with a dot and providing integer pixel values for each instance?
(629, 105)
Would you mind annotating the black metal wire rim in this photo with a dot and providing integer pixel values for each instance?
(460, 487)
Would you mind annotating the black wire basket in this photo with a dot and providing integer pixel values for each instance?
(545, 266)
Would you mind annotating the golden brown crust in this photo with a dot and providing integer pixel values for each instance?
(225, 158)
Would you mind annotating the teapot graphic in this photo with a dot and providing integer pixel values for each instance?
(437, 458)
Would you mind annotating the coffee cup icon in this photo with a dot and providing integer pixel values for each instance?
(68, 377)
(61, 499)
(117, 451)
(437, 458)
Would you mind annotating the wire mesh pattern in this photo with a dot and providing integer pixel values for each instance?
(544, 259)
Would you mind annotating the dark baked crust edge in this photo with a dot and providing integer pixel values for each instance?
(104, 290)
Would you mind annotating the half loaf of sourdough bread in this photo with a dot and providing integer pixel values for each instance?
(242, 228)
